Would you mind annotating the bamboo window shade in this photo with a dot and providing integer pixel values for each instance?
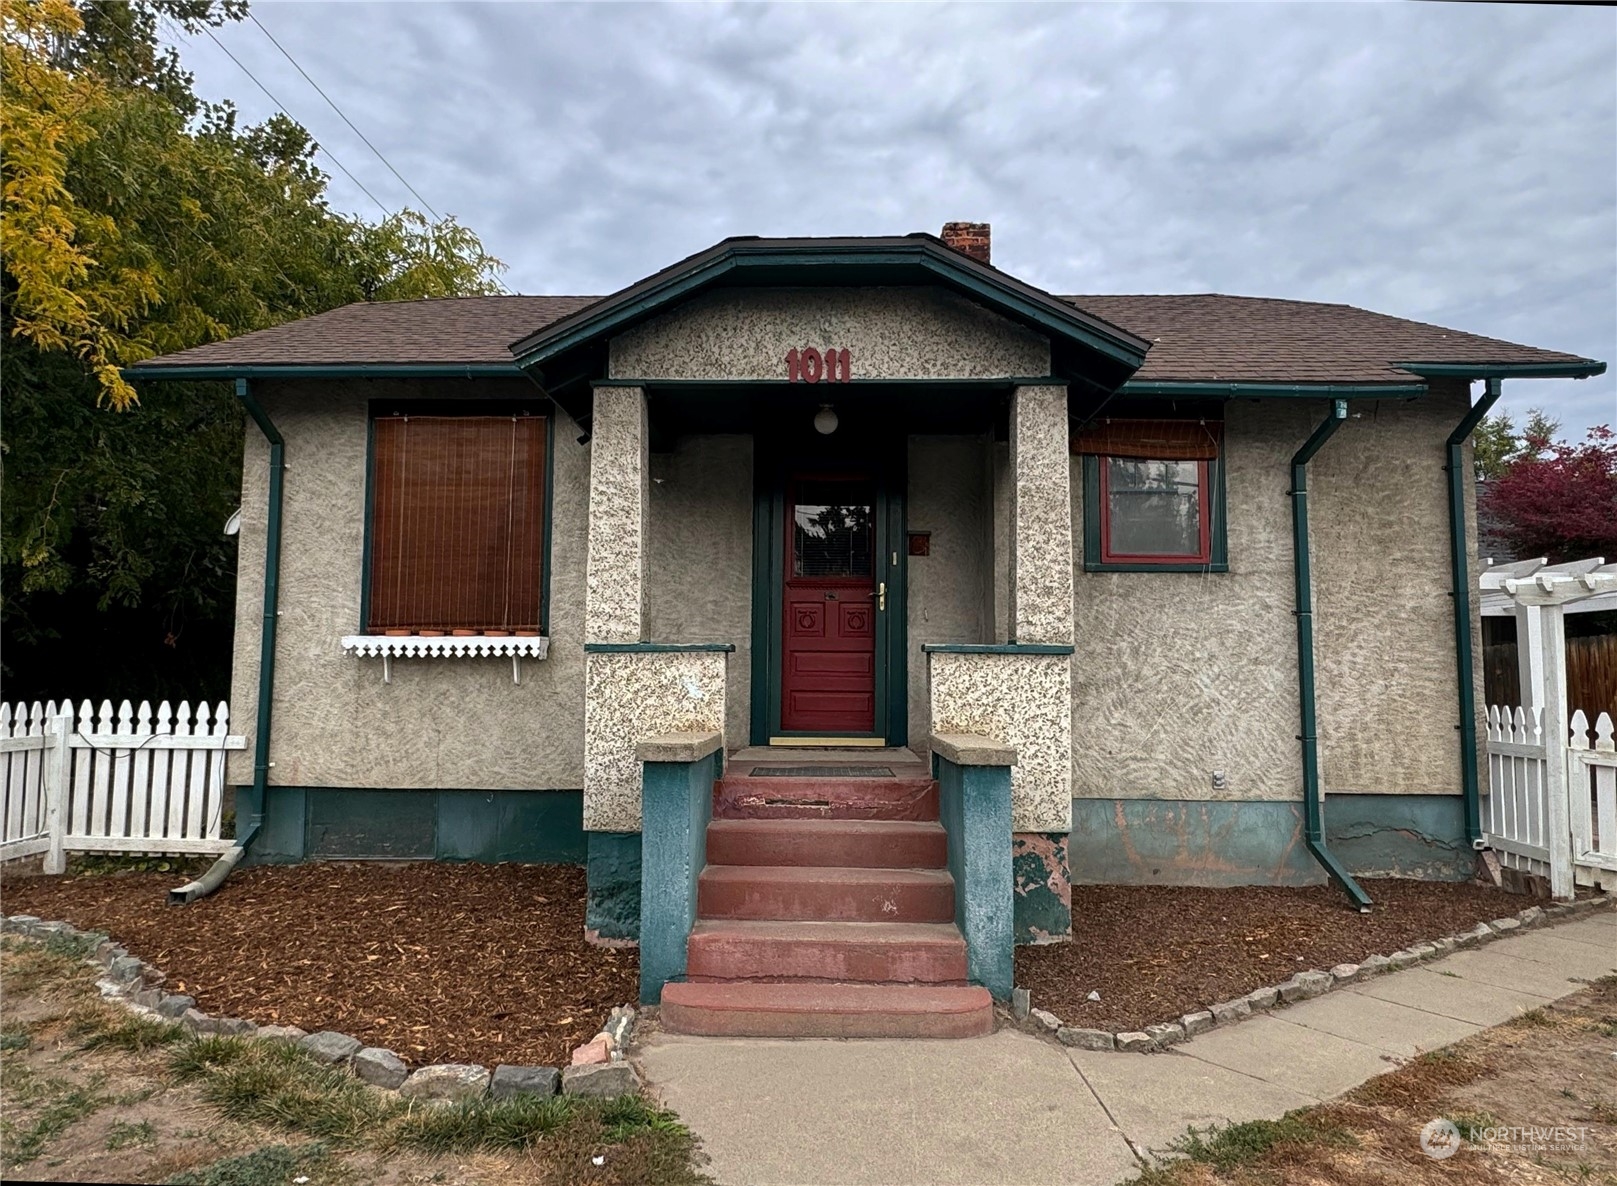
(1154, 440)
(457, 523)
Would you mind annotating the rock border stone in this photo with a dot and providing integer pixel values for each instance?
(137, 986)
(1303, 986)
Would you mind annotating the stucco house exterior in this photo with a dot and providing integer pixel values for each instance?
(928, 570)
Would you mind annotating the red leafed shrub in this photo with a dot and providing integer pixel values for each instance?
(1559, 500)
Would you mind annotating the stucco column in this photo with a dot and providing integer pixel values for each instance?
(614, 598)
(1041, 517)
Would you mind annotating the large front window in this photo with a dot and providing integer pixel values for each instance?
(457, 524)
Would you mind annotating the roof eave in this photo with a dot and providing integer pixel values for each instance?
(1191, 389)
(191, 372)
(1583, 368)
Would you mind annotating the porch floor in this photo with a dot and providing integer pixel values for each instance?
(902, 761)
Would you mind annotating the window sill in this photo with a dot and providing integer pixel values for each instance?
(388, 647)
(1119, 566)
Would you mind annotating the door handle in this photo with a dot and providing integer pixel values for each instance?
(881, 596)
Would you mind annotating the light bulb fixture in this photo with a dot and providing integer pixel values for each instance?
(825, 420)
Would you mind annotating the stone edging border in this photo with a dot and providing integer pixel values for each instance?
(138, 986)
(1301, 987)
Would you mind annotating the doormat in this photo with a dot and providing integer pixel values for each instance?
(821, 772)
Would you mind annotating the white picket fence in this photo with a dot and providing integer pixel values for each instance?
(1551, 805)
(134, 781)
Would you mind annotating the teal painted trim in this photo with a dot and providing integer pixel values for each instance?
(146, 372)
(346, 823)
(1459, 477)
(895, 262)
(272, 583)
(676, 804)
(1586, 368)
(365, 552)
(765, 616)
(1222, 843)
(997, 648)
(654, 648)
(613, 899)
(975, 809)
(894, 542)
(1219, 533)
(1210, 390)
(1313, 795)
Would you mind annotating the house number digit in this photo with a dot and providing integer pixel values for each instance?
(809, 365)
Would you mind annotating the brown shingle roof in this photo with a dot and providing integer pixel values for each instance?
(1262, 340)
(452, 330)
(1194, 338)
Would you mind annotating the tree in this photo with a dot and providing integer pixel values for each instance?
(1558, 500)
(140, 220)
(1496, 445)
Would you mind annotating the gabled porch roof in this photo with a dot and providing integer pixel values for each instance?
(1084, 348)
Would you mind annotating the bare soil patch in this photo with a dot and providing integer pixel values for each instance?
(1154, 953)
(1534, 1100)
(437, 962)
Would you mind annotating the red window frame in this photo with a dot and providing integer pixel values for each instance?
(1204, 517)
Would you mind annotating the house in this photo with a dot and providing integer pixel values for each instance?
(510, 563)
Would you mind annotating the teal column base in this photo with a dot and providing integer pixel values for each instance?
(975, 807)
(612, 872)
(676, 805)
(1043, 887)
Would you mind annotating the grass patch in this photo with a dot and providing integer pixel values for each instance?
(468, 1125)
(273, 1165)
(123, 1135)
(18, 1039)
(1231, 1146)
(1533, 1019)
(97, 1028)
(70, 1105)
(277, 1084)
(53, 963)
(1470, 1122)
(1419, 1084)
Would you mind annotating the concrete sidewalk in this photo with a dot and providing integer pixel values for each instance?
(1014, 1109)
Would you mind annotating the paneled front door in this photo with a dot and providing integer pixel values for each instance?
(832, 598)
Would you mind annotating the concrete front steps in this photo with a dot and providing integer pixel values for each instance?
(826, 910)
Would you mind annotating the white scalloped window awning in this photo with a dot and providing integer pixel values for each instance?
(388, 647)
(413, 646)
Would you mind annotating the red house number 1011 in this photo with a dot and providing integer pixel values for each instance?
(811, 366)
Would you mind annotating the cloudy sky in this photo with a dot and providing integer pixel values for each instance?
(1454, 163)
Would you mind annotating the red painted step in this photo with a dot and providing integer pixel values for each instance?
(868, 844)
(742, 796)
(806, 893)
(889, 952)
(750, 1009)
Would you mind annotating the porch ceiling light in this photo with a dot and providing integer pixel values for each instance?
(825, 420)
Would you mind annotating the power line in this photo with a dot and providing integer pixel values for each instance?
(288, 113)
(332, 104)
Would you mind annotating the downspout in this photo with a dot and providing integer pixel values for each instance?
(1313, 797)
(1465, 668)
(254, 816)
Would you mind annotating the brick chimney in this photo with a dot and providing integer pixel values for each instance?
(968, 238)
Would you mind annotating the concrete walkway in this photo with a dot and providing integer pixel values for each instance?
(1012, 1108)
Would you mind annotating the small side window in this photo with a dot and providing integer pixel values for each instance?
(1153, 496)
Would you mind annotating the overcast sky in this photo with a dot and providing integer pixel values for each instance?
(1454, 163)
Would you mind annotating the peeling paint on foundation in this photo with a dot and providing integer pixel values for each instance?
(1225, 843)
(1042, 908)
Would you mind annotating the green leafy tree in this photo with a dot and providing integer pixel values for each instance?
(1497, 445)
(140, 220)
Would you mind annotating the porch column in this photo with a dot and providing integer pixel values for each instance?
(1041, 517)
(614, 597)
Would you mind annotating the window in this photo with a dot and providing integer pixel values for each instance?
(457, 524)
(1153, 496)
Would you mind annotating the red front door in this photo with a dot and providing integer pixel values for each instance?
(828, 649)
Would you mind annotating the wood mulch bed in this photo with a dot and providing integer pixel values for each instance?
(1154, 953)
(436, 962)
